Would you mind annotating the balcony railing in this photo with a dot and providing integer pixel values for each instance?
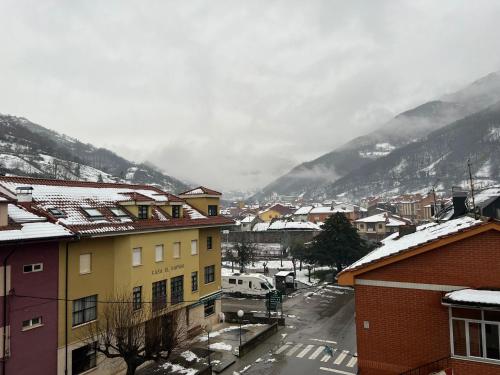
(429, 368)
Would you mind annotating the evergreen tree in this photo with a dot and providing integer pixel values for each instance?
(338, 244)
(99, 179)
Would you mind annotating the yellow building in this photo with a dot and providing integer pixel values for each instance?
(274, 212)
(159, 248)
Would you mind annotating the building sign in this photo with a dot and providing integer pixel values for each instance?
(167, 269)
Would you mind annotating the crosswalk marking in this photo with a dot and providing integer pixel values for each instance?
(352, 362)
(282, 349)
(336, 371)
(305, 351)
(326, 358)
(327, 341)
(316, 352)
(341, 357)
(294, 349)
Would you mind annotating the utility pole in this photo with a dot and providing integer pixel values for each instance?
(472, 188)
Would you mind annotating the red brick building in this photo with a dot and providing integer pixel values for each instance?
(430, 300)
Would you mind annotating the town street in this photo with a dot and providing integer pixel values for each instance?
(315, 317)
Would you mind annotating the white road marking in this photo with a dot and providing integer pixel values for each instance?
(327, 341)
(305, 351)
(316, 352)
(282, 349)
(352, 362)
(336, 371)
(326, 358)
(341, 357)
(294, 349)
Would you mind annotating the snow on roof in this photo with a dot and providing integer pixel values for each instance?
(382, 217)
(293, 225)
(34, 231)
(474, 296)
(20, 215)
(284, 273)
(425, 233)
(486, 194)
(322, 210)
(72, 196)
(303, 210)
(260, 227)
(201, 190)
(248, 219)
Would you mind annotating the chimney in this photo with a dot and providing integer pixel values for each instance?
(24, 193)
(459, 199)
(406, 229)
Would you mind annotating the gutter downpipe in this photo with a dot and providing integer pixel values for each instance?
(66, 311)
(4, 335)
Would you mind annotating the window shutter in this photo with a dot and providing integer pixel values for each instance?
(85, 263)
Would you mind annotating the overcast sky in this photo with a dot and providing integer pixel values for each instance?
(232, 94)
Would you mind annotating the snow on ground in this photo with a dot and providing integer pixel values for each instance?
(221, 346)
(189, 356)
(228, 329)
(179, 369)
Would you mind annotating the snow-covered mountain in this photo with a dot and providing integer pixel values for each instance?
(31, 150)
(315, 178)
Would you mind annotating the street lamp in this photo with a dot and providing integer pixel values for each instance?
(208, 328)
(240, 315)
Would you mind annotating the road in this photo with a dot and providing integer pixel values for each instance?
(316, 317)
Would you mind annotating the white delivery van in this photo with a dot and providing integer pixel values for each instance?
(249, 284)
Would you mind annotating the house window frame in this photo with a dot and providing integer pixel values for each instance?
(31, 324)
(84, 272)
(194, 281)
(85, 301)
(177, 290)
(208, 279)
(33, 265)
(194, 247)
(162, 248)
(159, 301)
(179, 250)
(209, 308)
(176, 211)
(209, 243)
(142, 211)
(136, 250)
(210, 209)
(137, 298)
(91, 355)
(482, 322)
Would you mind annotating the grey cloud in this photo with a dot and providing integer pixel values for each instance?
(234, 93)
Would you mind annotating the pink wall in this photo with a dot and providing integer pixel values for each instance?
(33, 351)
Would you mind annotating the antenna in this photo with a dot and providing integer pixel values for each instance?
(471, 188)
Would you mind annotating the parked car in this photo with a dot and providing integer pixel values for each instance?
(249, 284)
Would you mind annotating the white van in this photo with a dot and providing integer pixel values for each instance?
(251, 284)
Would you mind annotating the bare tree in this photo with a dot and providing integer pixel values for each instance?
(136, 332)
(245, 253)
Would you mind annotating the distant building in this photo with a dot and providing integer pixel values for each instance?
(379, 226)
(321, 213)
(302, 213)
(274, 212)
(248, 222)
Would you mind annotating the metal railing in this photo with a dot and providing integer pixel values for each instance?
(429, 368)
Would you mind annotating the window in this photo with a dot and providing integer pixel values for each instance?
(380, 226)
(176, 212)
(212, 210)
(93, 213)
(232, 281)
(159, 294)
(209, 307)
(240, 282)
(56, 212)
(475, 333)
(137, 298)
(142, 212)
(177, 250)
(194, 281)
(194, 247)
(209, 242)
(118, 212)
(36, 267)
(159, 253)
(177, 289)
(84, 310)
(263, 286)
(209, 274)
(32, 323)
(85, 263)
(83, 359)
(137, 256)
(250, 284)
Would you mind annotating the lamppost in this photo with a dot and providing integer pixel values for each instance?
(208, 328)
(240, 315)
